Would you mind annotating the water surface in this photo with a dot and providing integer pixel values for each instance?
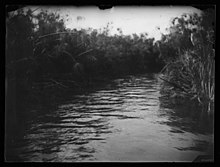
(125, 120)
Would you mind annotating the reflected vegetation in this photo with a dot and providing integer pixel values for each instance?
(131, 110)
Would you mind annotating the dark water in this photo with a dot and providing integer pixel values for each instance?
(125, 120)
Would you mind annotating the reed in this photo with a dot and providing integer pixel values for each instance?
(194, 72)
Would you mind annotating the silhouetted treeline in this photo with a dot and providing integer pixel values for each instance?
(40, 44)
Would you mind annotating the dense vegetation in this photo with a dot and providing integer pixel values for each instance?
(190, 59)
(43, 55)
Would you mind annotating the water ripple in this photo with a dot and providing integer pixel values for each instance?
(113, 122)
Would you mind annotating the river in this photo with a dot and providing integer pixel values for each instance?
(124, 120)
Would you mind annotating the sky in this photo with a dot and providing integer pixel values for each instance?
(133, 19)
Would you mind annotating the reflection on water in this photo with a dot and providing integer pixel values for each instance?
(126, 120)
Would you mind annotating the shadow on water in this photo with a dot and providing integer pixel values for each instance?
(184, 117)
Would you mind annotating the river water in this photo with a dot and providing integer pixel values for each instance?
(125, 120)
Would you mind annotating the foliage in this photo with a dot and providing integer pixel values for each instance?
(56, 49)
(41, 54)
(192, 69)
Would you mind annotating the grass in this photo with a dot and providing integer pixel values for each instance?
(193, 73)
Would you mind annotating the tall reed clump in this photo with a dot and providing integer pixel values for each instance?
(193, 72)
(204, 79)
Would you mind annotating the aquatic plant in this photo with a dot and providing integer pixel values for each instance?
(192, 70)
